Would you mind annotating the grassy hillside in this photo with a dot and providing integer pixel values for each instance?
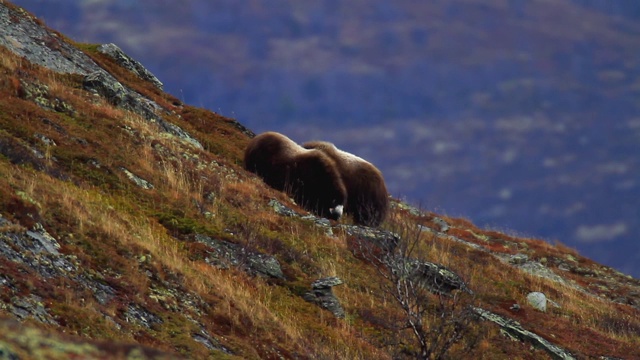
(524, 113)
(122, 236)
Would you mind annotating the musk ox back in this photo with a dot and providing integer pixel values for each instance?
(368, 199)
(309, 176)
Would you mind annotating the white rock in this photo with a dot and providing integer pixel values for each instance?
(538, 300)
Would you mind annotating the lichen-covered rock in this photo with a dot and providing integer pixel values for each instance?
(43, 241)
(29, 307)
(138, 314)
(322, 294)
(280, 209)
(124, 60)
(106, 86)
(536, 268)
(515, 330)
(40, 252)
(384, 240)
(21, 34)
(37, 249)
(224, 254)
(39, 94)
(209, 341)
(405, 207)
(283, 210)
(434, 277)
(137, 180)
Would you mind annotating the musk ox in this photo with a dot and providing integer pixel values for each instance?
(368, 200)
(310, 176)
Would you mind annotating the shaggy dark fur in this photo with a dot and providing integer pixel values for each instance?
(368, 200)
(309, 176)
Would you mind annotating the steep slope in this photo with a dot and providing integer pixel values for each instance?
(517, 114)
(128, 226)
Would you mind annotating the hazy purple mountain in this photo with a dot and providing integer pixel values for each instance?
(520, 115)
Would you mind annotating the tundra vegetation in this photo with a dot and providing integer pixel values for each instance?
(178, 256)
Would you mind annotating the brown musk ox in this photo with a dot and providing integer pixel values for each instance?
(309, 176)
(368, 199)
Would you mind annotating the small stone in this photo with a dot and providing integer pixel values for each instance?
(564, 267)
(280, 209)
(519, 259)
(444, 227)
(137, 180)
(538, 300)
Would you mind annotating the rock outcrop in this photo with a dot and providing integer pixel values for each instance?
(434, 277)
(24, 36)
(224, 254)
(127, 62)
(105, 85)
(515, 330)
(322, 294)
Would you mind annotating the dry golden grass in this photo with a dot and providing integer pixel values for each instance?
(243, 297)
(9, 62)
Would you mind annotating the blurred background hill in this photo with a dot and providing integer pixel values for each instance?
(520, 115)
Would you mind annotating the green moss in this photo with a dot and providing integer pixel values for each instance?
(179, 222)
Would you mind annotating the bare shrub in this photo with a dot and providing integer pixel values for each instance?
(433, 301)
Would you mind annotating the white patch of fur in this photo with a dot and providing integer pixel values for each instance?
(337, 211)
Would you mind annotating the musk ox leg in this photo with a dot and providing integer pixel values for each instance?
(317, 185)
